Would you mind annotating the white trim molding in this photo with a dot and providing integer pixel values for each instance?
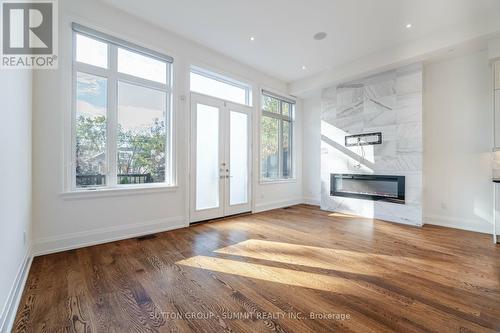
(117, 191)
(262, 207)
(10, 309)
(312, 201)
(46, 245)
(278, 181)
(475, 225)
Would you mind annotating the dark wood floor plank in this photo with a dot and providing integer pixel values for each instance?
(290, 263)
(203, 286)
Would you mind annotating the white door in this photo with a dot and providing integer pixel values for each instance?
(220, 158)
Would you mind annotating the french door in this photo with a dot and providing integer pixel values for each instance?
(221, 158)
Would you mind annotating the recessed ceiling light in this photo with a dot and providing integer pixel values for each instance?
(320, 35)
(252, 38)
(409, 26)
(304, 67)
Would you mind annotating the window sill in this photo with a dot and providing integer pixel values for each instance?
(117, 191)
(278, 181)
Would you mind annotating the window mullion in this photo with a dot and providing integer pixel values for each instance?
(271, 114)
(142, 82)
(89, 69)
(112, 126)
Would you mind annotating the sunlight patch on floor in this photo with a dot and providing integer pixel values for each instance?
(273, 274)
(349, 216)
(318, 257)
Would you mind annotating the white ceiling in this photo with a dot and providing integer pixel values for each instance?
(283, 29)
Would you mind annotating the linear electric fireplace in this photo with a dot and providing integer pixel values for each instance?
(368, 187)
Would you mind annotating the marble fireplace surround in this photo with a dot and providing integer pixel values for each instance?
(391, 103)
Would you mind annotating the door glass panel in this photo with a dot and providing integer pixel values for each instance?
(207, 157)
(238, 185)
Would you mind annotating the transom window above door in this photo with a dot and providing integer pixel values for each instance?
(212, 84)
(121, 113)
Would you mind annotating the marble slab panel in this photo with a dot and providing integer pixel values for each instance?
(391, 103)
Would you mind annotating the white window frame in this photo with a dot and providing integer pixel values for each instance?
(280, 117)
(113, 78)
(223, 79)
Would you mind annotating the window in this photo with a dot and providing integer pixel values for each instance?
(91, 51)
(276, 137)
(91, 129)
(141, 66)
(122, 129)
(211, 84)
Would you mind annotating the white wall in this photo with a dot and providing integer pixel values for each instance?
(15, 189)
(458, 137)
(61, 222)
(311, 161)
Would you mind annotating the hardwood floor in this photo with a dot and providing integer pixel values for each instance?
(268, 273)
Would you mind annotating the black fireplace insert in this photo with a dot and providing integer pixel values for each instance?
(368, 187)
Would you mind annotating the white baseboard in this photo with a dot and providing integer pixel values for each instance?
(380, 217)
(10, 309)
(312, 201)
(46, 245)
(458, 223)
(262, 207)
